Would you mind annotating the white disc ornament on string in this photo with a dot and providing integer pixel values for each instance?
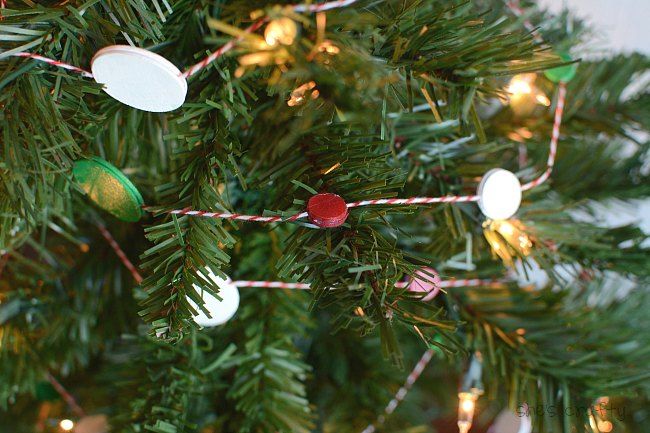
(508, 422)
(220, 310)
(499, 194)
(139, 78)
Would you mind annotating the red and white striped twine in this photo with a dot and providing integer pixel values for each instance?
(415, 200)
(192, 70)
(66, 396)
(120, 253)
(224, 49)
(516, 8)
(301, 215)
(323, 6)
(401, 393)
(469, 282)
(53, 62)
(513, 4)
(555, 137)
(233, 216)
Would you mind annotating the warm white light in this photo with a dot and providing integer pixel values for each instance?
(605, 426)
(524, 96)
(543, 99)
(506, 229)
(66, 424)
(281, 31)
(519, 86)
(466, 406)
(499, 194)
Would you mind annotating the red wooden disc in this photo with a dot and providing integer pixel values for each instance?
(327, 210)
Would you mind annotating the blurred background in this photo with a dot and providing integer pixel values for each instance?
(623, 24)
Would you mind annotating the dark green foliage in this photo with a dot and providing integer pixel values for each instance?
(327, 360)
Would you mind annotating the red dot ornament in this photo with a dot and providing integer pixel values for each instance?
(327, 210)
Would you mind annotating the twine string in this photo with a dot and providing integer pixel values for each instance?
(555, 137)
(66, 396)
(467, 282)
(120, 253)
(401, 393)
(53, 62)
(515, 7)
(194, 69)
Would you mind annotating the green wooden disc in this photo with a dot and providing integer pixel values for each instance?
(562, 74)
(107, 186)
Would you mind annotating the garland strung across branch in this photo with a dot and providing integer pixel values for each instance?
(467, 282)
(192, 70)
(330, 210)
(107, 58)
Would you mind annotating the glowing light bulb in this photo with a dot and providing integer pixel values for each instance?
(543, 99)
(605, 426)
(519, 85)
(281, 31)
(66, 424)
(499, 194)
(506, 229)
(466, 406)
(329, 48)
(300, 94)
(523, 96)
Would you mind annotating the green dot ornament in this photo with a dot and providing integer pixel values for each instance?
(562, 74)
(109, 188)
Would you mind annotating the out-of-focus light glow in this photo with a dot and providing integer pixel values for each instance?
(605, 426)
(66, 425)
(466, 406)
(281, 31)
(301, 93)
(519, 85)
(508, 239)
(524, 96)
(543, 99)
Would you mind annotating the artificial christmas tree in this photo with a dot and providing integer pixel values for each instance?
(345, 189)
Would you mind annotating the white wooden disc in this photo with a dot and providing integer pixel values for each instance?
(139, 78)
(499, 194)
(508, 422)
(220, 311)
